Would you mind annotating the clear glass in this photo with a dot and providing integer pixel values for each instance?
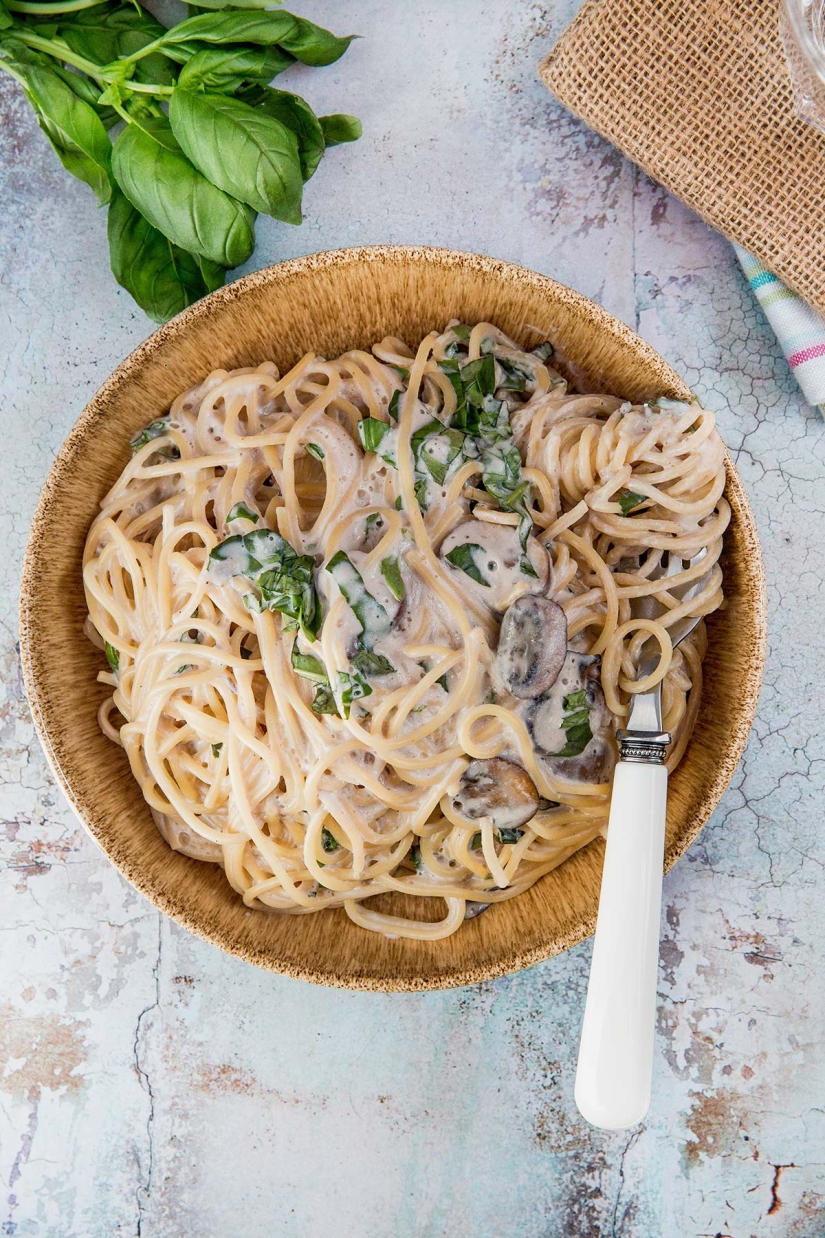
(802, 25)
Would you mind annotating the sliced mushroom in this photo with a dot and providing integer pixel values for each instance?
(532, 646)
(544, 716)
(491, 566)
(497, 789)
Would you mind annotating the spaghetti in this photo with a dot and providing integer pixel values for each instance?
(369, 623)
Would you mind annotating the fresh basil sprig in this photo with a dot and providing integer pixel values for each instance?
(207, 142)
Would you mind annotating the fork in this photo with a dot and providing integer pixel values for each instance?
(615, 1066)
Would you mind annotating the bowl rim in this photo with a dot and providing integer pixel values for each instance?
(279, 273)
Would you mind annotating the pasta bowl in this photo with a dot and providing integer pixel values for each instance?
(331, 302)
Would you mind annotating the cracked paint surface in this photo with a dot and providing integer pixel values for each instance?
(151, 1086)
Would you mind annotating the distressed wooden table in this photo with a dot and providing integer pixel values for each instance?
(152, 1086)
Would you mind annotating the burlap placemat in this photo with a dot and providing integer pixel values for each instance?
(697, 92)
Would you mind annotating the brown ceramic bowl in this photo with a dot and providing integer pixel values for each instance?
(332, 302)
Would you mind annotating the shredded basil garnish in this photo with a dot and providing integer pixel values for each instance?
(328, 840)
(241, 512)
(464, 557)
(216, 750)
(369, 663)
(314, 450)
(576, 724)
(392, 575)
(112, 656)
(628, 500)
(281, 578)
(368, 610)
(156, 429)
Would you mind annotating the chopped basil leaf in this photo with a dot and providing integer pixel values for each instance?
(282, 579)
(509, 836)
(112, 656)
(576, 724)
(628, 500)
(475, 842)
(314, 450)
(309, 667)
(187, 667)
(421, 496)
(464, 557)
(442, 680)
(368, 610)
(462, 331)
(399, 503)
(352, 688)
(328, 840)
(392, 575)
(402, 373)
(394, 407)
(216, 750)
(156, 429)
(436, 447)
(372, 432)
(416, 859)
(369, 663)
(514, 379)
(544, 351)
(324, 702)
(241, 512)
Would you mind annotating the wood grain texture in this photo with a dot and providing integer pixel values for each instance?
(331, 302)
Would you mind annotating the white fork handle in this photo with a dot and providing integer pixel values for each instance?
(616, 1050)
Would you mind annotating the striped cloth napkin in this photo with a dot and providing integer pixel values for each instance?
(799, 329)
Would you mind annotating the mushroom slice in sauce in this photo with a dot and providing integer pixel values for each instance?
(543, 718)
(486, 558)
(532, 646)
(500, 790)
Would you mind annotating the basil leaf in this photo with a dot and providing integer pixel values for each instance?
(513, 378)
(372, 663)
(368, 610)
(628, 500)
(297, 115)
(5, 17)
(324, 702)
(422, 497)
(576, 724)
(464, 557)
(72, 126)
(543, 351)
(352, 688)
(462, 330)
(309, 667)
(112, 656)
(479, 378)
(282, 578)
(340, 128)
(328, 841)
(416, 859)
(241, 512)
(442, 682)
(313, 449)
(372, 433)
(194, 214)
(394, 407)
(224, 69)
(510, 836)
(161, 277)
(108, 32)
(247, 154)
(314, 45)
(216, 750)
(156, 429)
(438, 450)
(392, 575)
(304, 40)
